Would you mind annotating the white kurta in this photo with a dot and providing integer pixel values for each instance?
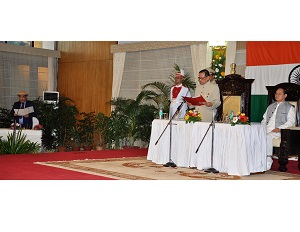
(211, 93)
(175, 102)
(271, 125)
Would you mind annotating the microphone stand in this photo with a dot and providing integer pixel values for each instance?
(211, 169)
(14, 133)
(170, 163)
(15, 127)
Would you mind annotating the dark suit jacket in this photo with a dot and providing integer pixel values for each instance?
(27, 122)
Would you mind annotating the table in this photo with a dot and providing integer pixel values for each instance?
(31, 135)
(238, 150)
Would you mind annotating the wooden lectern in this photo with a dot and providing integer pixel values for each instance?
(235, 94)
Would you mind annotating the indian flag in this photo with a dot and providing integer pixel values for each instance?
(270, 63)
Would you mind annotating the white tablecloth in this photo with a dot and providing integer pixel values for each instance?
(238, 150)
(32, 135)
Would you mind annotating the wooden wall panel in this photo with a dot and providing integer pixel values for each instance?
(85, 50)
(85, 73)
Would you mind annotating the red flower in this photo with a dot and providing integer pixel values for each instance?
(243, 118)
(38, 127)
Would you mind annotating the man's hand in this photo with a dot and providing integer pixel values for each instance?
(276, 130)
(208, 104)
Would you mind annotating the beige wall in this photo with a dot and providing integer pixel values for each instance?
(85, 70)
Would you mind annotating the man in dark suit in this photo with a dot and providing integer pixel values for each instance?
(26, 120)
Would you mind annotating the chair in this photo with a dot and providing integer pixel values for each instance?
(35, 122)
(288, 145)
(235, 94)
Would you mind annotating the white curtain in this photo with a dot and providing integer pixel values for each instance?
(52, 73)
(118, 67)
(230, 55)
(19, 71)
(201, 58)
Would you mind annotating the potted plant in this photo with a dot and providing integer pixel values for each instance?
(115, 131)
(86, 125)
(46, 114)
(18, 144)
(136, 118)
(101, 127)
(75, 138)
(5, 119)
(65, 114)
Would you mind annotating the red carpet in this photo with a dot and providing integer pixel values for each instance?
(22, 167)
(292, 166)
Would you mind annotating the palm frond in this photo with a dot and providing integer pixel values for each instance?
(17, 144)
(160, 86)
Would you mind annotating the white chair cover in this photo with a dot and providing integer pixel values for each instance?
(35, 122)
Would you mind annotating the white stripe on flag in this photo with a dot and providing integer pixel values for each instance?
(269, 75)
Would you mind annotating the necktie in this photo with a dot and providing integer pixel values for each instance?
(21, 117)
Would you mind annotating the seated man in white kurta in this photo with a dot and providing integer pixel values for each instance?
(178, 91)
(279, 115)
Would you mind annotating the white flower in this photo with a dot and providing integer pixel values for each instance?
(220, 65)
(217, 70)
(235, 119)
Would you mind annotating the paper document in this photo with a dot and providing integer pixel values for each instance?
(22, 112)
(195, 101)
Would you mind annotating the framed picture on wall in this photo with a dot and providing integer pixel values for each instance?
(21, 43)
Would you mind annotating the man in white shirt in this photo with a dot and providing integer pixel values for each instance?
(279, 115)
(210, 92)
(211, 75)
(178, 91)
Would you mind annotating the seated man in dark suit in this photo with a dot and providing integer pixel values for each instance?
(26, 120)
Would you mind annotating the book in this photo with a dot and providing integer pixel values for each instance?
(195, 101)
(22, 112)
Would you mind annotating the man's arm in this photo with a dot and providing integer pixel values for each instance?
(12, 112)
(290, 119)
(216, 98)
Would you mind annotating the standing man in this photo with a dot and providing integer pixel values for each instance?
(211, 93)
(26, 120)
(279, 115)
(178, 91)
(211, 75)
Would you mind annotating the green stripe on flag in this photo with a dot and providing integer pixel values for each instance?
(259, 104)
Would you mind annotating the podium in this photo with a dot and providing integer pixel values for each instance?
(240, 89)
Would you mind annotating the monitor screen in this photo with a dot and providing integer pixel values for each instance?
(50, 96)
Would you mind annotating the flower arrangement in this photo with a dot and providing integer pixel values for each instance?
(239, 118)
(18, 126)
(218, 63)
(38, 127)
(192, 116)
